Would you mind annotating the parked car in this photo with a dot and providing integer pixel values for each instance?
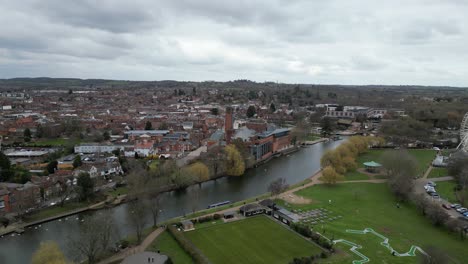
(446, 206)
(461, 210)
(431, 183)
(455, 206)
(435, 196)
(465, 213)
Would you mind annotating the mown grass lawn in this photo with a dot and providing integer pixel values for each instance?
(446, 190)
(370, 205)
(169, 247)
(355, 176)
(438, 172)
(253, 240)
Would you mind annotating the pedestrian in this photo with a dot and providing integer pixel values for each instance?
(329, 201)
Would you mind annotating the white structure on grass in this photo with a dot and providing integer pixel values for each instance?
(464, 134)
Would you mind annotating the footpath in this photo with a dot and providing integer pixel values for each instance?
(135, 249)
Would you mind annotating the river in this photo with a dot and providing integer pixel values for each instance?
(18, 249)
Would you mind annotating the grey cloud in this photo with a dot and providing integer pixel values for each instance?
(114, 16)
(354, 41)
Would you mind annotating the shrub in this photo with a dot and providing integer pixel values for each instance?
(216, 216)
(124, 243)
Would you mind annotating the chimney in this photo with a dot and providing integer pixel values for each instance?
(228, 125)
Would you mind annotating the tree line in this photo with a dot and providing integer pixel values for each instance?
(337, 162)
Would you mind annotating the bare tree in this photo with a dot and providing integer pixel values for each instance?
(421, 202)
(136, 216)
(278, 186)
(401, 169)
(153, 202)
(65, 192)
(436, 214)
(96, 234)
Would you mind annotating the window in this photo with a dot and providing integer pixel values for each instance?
(2, 204)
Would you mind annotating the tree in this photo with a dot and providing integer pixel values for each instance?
(199, 171)
(27, 135)
(401, 169)
(5, 167)
(48, 253)
(52, 166)
(136, 215)
(327, 125)
(65, 192)
(214, 111)
(272, 107)
(421, 202)
(4, 221)
(437, 214)
(251, 111)
(77, 161)
(235, 165)
(95, 237)
(330, 176)
(278, 186)
(163, 126)
(333, 159)
(148, 125)
(153, 204)
(215, 158)
(106, 135)
(85, 186)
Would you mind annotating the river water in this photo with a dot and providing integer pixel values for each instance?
(294, 168)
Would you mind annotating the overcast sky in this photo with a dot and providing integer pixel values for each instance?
(346, 42)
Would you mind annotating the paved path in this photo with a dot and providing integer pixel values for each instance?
(428, 171)
(136, 249)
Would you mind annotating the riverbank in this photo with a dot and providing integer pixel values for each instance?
(295, 169)
(18, 227)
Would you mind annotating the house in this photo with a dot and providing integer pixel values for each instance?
(252, 209)
(285, 216)
(187, 225)
(22, 196)
(4, 201)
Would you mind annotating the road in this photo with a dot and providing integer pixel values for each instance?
(419, 189)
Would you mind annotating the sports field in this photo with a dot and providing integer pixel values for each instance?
(253, 240)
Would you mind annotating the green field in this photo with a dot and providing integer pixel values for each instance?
(355, 176)
(438, 172)
(445, 190)
(169, 246)
(253, 240)
(55, 142)
(370, 205)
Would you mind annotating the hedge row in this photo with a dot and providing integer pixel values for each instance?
(187, 246)
(207, 218)
(317, 238)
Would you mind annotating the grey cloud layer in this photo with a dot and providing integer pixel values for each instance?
(348, 41)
